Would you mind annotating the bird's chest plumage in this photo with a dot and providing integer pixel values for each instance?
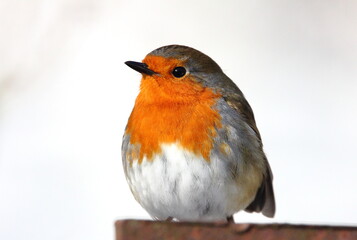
(181, 162)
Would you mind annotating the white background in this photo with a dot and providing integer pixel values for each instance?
(65, 96)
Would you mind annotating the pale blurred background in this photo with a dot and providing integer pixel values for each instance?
(65, 96)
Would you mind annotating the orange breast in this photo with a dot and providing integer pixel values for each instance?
(167, 117)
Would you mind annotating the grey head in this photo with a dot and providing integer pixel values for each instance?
(203, 68)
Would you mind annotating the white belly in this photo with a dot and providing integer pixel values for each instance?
(179, 184)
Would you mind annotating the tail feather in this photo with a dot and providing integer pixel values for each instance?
(264, 200)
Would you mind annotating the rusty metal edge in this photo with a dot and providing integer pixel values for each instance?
(227, 231)
(257, 225)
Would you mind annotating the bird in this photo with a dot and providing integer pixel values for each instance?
(191, 149)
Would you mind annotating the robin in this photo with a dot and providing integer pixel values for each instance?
(191, 149)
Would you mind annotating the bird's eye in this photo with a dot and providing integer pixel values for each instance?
(179, 72)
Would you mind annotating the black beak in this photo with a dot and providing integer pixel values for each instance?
(140, 67)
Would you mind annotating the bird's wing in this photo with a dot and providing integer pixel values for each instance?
(264, 200)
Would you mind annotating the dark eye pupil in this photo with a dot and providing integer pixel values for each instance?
(179, 72)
